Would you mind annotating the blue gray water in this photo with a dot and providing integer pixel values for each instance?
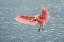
(13, 31)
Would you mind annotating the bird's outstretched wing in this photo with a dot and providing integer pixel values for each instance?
(45, 14)
(26, 19)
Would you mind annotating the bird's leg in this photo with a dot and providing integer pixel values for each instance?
(39, 29)
(42, 28)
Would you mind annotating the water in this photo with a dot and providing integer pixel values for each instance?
(13, 31)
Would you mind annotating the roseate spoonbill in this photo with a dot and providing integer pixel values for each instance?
(41, 19)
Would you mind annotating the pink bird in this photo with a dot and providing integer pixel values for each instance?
(41, 19)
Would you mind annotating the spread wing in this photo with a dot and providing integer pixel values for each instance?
(25, 19)
(45, 14)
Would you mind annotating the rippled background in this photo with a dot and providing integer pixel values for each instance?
(13, 31)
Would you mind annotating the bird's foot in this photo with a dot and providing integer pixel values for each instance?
(43, 29)
(39, 30)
